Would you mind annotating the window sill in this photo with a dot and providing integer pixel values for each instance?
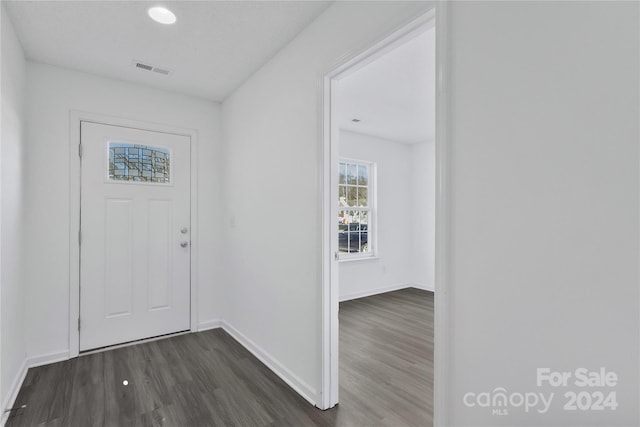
(364, 258)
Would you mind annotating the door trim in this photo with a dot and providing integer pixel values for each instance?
(329, 155)
(75, 119)
(442, 351)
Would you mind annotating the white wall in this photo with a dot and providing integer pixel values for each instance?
(392, 268)
(406, 237)
(51, 94)
(273, 187)
(12, 343)
(544, 187)
(423, 214)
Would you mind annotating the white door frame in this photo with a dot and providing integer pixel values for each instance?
(329, 138)
(75, 118)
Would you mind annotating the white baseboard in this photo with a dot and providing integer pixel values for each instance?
(10, 399)
(302, 388)
(424, 287)
(371, 292)
(30, 362)
(48, 358)
(209, 324)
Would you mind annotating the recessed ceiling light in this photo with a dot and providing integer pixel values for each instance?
(162, 15)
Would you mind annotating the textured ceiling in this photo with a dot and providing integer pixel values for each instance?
(394, 96)
(211, 50)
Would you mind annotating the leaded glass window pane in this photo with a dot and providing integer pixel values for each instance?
(139, 163)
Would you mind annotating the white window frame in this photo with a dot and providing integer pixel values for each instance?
(372, 208)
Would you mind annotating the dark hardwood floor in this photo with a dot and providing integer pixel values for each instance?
(386, 359)
(208, 379)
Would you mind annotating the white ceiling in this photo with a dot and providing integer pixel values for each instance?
(394, 96)
(211, 50)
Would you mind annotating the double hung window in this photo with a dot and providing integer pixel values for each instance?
(356, 209)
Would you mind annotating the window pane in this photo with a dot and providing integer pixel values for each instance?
(343, 231)
(363, 229)
(363, 175)
(342, 196)
(352, 196)
(364, 242)
(363, 219)
(352, 174)
(343, 173)
(139, 163)
(342, 222)
(363, 197)
(354, 220)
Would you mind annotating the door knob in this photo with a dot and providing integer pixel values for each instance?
(184, 244)
(184, 230)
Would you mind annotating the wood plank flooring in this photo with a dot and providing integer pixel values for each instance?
(386, 359)
(208, 379)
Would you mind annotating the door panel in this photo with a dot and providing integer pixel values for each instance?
(118, 257)
(159, 255)
(135, 250)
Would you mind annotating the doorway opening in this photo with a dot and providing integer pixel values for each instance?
(362, 213)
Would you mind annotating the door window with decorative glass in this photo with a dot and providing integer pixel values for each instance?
(355, 209)
(139, 163)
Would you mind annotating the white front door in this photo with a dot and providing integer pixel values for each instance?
(135, 234)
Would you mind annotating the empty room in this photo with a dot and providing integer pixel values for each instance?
(213, 214)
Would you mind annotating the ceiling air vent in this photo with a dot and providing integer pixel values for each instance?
(144, 66)
(149, 67)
